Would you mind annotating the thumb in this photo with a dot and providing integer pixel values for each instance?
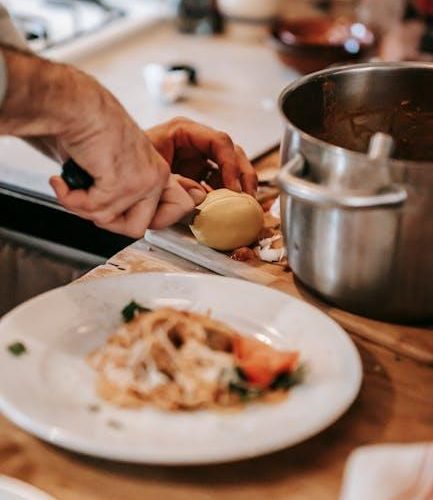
(195, 190)
(175, 202)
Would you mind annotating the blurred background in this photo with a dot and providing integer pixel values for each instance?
(306, 34)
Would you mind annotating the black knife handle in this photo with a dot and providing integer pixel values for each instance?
(75, 176)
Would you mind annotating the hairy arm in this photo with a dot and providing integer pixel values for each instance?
(87, 123)
(11, 39)
(70, 114)
(39, 95)
(27, 99)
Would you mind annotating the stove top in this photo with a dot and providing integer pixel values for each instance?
(47, 23)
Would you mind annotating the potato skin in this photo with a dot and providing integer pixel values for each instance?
(228, 220)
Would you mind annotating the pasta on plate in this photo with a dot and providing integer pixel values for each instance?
(181, 360)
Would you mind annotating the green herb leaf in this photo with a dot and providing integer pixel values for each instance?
(287, 380)
(244, 392)
(131, 309)
(17, 348)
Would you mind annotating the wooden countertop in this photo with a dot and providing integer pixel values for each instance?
(394, 405)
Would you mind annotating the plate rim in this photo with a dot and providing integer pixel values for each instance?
(67, 441)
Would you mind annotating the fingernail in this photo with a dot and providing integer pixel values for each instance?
(197, 195)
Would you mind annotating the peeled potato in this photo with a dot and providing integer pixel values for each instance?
(227, 220)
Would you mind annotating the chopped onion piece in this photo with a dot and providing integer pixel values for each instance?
(275, 209)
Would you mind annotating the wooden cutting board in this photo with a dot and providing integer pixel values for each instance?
(414, 342)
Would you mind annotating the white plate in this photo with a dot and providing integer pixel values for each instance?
(13, 489)
(49, 391)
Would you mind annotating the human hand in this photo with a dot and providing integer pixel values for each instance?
(133, 188)
(67, 114)
(188, 146)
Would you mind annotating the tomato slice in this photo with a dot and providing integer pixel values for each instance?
(261, 363)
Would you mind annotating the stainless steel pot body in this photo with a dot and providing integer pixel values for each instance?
(358, 229)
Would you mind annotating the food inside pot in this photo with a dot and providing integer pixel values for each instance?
(409, 126)
(347, 107)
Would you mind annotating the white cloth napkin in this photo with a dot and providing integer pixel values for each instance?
(390, 472)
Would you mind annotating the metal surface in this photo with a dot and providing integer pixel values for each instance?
(30, 266)
(292, 183)
(358, 228)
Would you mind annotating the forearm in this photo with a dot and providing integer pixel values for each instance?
(39, 95)
(3, 77)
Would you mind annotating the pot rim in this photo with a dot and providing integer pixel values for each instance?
(338, 150)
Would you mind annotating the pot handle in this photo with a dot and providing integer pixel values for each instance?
(290, 182)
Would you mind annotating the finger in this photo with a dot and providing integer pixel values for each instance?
(74, 200)
(249, 178)
(60, 188)
(175, 202)
(116, 209)
(108, 192)
(133, 222)
(216, 146)
(63, 194)
(222, 152)
(61, 191)
(195, 190)
(94, 204)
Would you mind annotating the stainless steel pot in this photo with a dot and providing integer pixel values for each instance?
(359, 228)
